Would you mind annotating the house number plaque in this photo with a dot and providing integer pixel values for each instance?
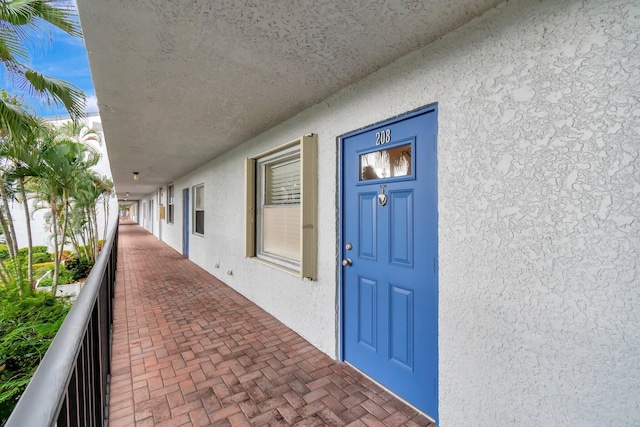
(383, 137)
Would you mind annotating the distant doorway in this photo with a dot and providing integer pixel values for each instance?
(150, 216)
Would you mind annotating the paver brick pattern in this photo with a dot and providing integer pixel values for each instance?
(190, 351)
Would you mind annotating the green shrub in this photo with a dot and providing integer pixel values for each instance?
(79, 266)
(47, 281)
(42, 267)
(4, 252)
(28, 324)
(65, 276)
(24, 252)
(40, 257)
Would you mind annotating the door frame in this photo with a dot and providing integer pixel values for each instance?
(185, 222)
(151, 216)
(160, 192)
(340, 194)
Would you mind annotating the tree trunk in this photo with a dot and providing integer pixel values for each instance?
(13, 241)
(64, 224)
(75, 243)
(4, 274)
(6, 232)
(7, 223)
(96, 235)
(105, 209)
(86, 234)
(88, 244)
(25, 204)
(56, 255)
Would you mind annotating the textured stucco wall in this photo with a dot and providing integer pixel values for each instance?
(539, 241)
(539, 216)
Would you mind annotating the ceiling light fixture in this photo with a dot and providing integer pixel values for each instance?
(135, 176)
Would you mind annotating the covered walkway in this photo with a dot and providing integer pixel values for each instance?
(189, 350)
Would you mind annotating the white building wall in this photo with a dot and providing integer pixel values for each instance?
(539, 238)
(149, 215)
(171, 232)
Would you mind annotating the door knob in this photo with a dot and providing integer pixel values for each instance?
(347, 262)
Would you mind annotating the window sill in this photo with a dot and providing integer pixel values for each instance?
(276, 266)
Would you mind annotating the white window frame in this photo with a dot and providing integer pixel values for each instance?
(306, 148)
(196, 209)
(170, 204)
(288, 156)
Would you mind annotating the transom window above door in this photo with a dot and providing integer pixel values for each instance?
(388, 162)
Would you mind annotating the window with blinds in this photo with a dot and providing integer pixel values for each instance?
(198, 209)
(281, 206)
(170, 203)
(281, 209)
(282, 183)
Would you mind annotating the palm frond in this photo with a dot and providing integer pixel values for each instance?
(61, 16)
(12, 48)
(14, 120)
(16, 12)
(26, 12)
(56, 91)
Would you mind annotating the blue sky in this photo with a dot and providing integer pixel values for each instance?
(56, 54)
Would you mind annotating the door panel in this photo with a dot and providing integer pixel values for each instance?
(368, 316)
(389, 232)
(401, 326)
(401, 228)
(368, 229)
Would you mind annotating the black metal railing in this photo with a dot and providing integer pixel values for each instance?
(70, 386)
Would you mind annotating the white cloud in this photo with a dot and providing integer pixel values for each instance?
(91, 105)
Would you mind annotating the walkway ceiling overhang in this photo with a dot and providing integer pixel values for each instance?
(181, 82)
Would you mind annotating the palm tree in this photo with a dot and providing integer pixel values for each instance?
(79, 132)
(64, 163)
(90, 190)
(106, 185)
(18, 19)
(86, 194)
(23, 155)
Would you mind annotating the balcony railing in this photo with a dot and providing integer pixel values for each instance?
(70, 386)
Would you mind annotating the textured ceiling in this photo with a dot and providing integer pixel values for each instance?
(181, 82)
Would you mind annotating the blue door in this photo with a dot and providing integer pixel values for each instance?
(389, 224)
(185, 222)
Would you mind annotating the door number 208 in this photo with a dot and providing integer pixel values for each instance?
(383, 137)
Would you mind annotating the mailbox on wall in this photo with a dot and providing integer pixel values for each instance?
(161, 212)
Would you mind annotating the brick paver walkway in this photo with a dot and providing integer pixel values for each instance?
(189, 350)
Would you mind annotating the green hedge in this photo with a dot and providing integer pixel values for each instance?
(40, 257)
(27, 327)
